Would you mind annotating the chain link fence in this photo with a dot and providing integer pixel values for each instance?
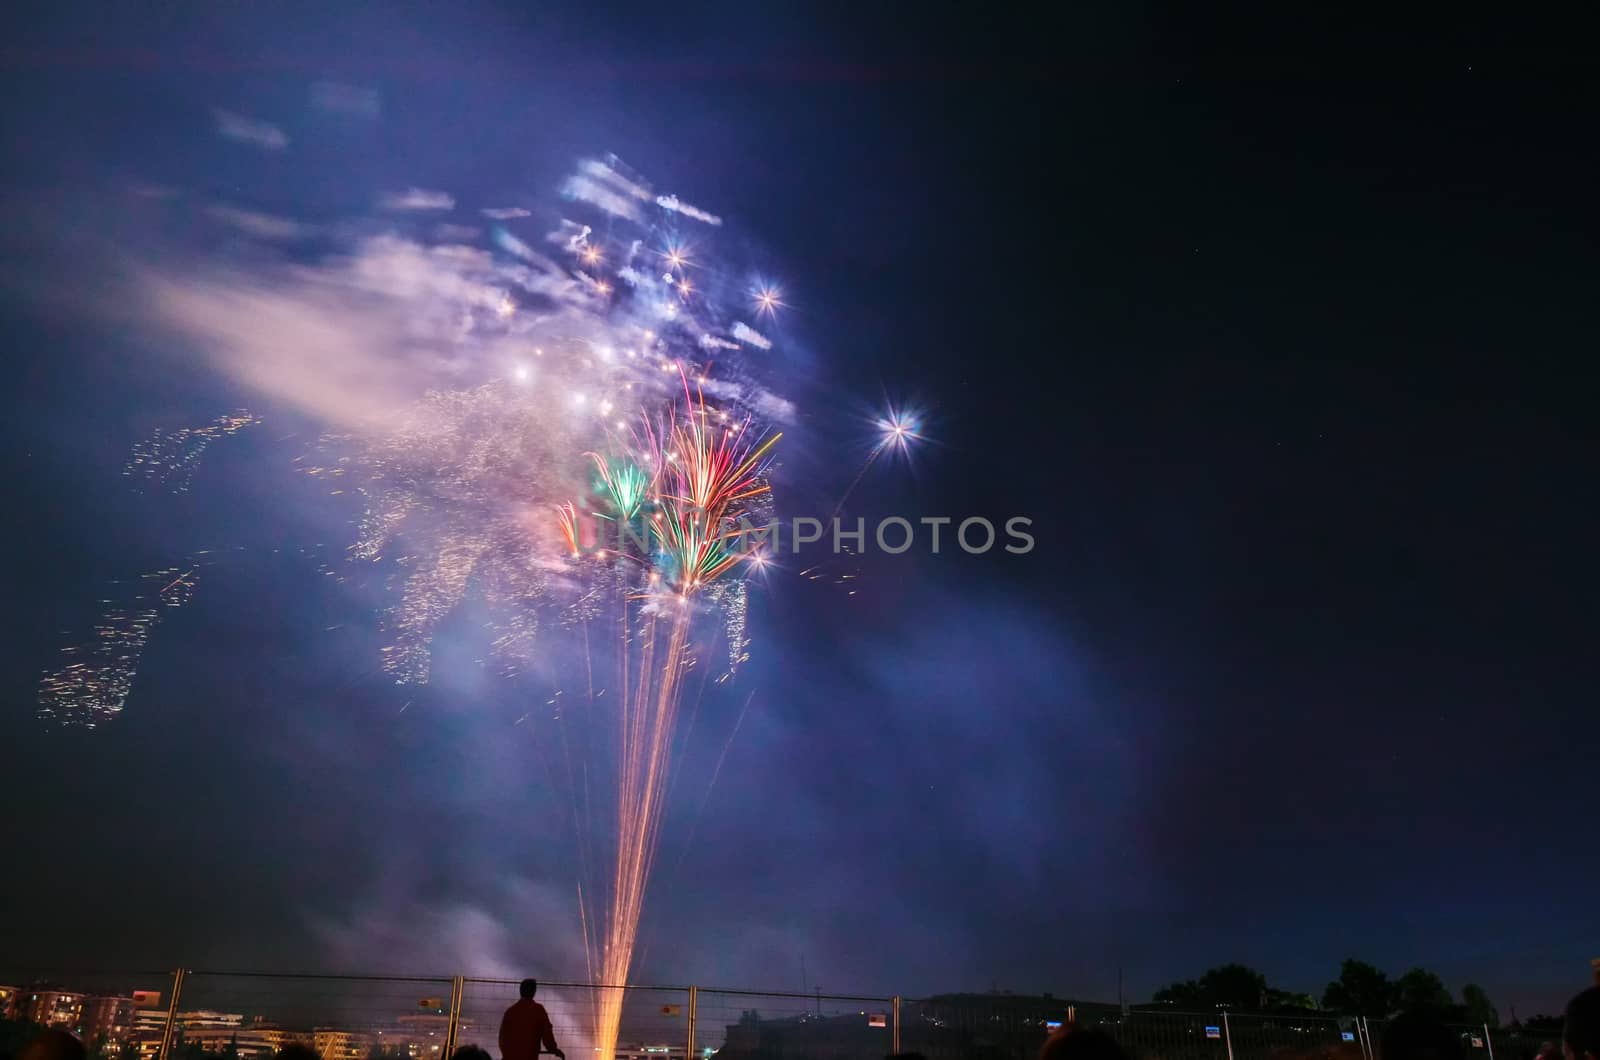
(1479, 1042)
(653, 1021)
(746, 1025)
(223, 1015)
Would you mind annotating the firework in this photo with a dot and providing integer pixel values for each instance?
(572, 432)
(607, 480)
(681, 499)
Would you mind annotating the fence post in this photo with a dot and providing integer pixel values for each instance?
(894, 1033)
(694, 1003)
(1227, 1035)
(458, 986)
(1488, 1040)
(172, 1015)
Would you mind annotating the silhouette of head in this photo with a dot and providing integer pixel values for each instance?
(1582, 1033)
(470, 1052)
(1069, 1043)
(528, 988)
(53, 1045)
(1420, 1035)
(298, 1051)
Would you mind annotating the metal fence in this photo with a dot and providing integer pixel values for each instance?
(220, 1015)
(1482, 1042)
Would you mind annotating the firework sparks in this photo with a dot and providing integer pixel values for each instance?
(94, 684)
(768, 300)
(475, 391)
(168, 458)
(649, 526)
(898, 430)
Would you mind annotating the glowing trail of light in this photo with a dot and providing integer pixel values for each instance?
(708, 473)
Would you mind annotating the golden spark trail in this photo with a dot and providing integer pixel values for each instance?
(648, 723)
(692, 482)
(837, 508)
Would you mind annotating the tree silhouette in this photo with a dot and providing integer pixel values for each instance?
(1288, 999)
(1360, 990)
(1476, 1001)
(1230, 986)
(1420, 988)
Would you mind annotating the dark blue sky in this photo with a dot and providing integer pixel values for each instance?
(1276, 330)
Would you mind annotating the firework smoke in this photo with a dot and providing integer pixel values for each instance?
(488, 407)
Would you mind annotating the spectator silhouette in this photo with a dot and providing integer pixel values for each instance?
(1070, 1043)
(1420, 1034)
(471, 1052)
(53, 1045)
(298, 1051)
(525, 1028)
(1581, 1035)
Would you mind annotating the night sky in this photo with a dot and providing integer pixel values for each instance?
(1275, 327)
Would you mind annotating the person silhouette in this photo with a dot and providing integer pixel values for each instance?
(525, 1028)
(1070, 1042)
(53, 1045)
(1420, 1034)
(1581, 1035)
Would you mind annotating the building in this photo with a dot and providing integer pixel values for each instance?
(659, 1051)
(10, 1002)
(333, 1043)
(212, 1031)
(148, 1026)
(422, 1036)
(270, 1038)
(62, 1009)
(805, 1037)
(107, 1022)
(254, 1042)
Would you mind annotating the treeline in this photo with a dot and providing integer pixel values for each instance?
(1362, 989)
